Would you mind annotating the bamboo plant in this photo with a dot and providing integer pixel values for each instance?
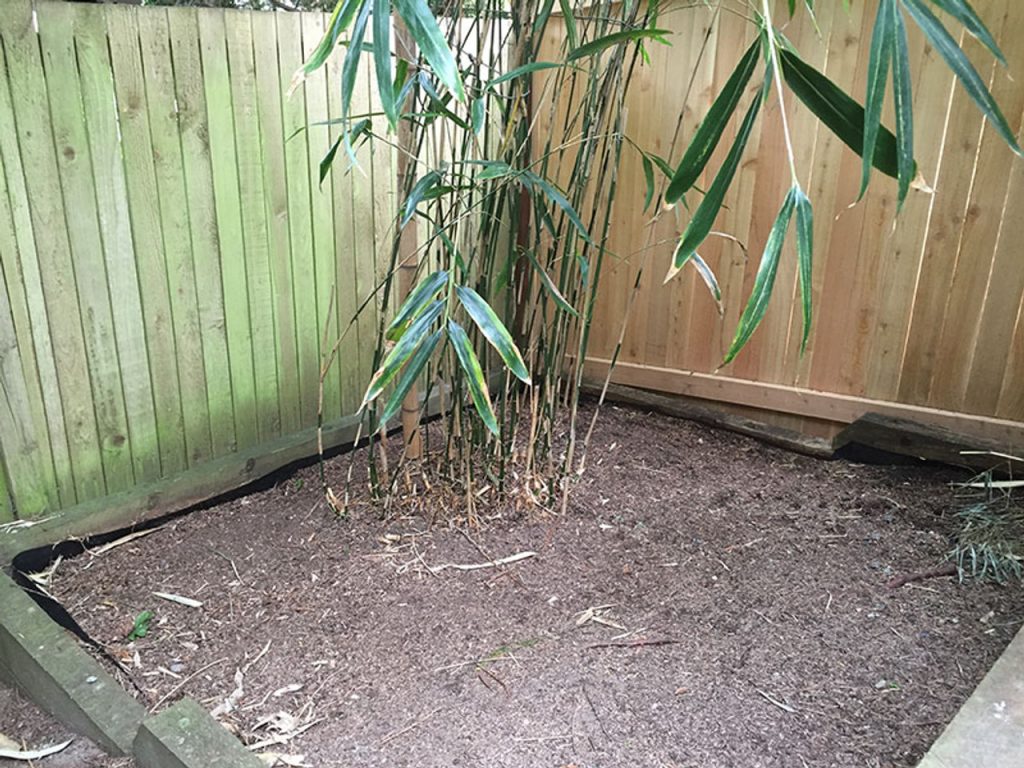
(509, 260)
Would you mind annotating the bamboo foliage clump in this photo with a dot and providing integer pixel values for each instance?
(506, 201)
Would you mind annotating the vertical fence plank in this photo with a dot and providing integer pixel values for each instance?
(305, 290)
(970, 279)
(72, 401)
(147, 234)
(74, 162)
(275, 182)
(193, 128)
(317, 142)
(228, 209)
(341, 181)
(364, 246)
(897, 275)
(100, 109)
(20, 274)
(154, 36)
(255, 223)
(24, 452)
(952, 187)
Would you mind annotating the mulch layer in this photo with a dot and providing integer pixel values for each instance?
(705, 601)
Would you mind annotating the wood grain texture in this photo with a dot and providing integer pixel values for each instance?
(920, 310)
(167, 257)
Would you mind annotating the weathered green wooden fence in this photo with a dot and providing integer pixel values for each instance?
(168, 258)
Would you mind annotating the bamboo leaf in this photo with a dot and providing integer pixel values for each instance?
(555, 196)
(804, 257)
(757, 305)
(961, 11)
(708, 276)
(418, 194)
(410, 373)
(382, 59)
(474, 375)
(711, 128)
(361, 130)
(478, 114)
(569, 19)
(414, 303)
(648, 181)
(542, 18)
(494, 330)
(703, 218)
(401, 352)
(878, 72)
(549, 286)
(616, 38)
(837, 110)
(495, 169)
(341, 17)
(350, 66)
(525, 69)
(428, 36)
(965, 72)
(903, 102)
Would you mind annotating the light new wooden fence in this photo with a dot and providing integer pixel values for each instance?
(168, 258)
(919, 318)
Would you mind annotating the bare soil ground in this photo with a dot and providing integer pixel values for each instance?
(30, 728)
(706, 601)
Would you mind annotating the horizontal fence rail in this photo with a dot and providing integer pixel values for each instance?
(919, 315)
(170, 264)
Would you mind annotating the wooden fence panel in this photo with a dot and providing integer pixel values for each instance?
(167, 258)
(917, 314)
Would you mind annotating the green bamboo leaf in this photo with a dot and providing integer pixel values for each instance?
(616, 38)
(525, 69)
(961, 11)
(360, 130)
(418, 194)
(555, 196)
(903, 102)
(765, 279)
(382, 58)
(478, 113)
(494, 331)
(708, 276)
(428, 36)
(879, 58)
(474, 375)
(410, 373)
(542, 18)
(965, 72)
(711, 128)
(704, 217)
(838, 111)
(350, 66)
(494, 169)
(662, 164)
(569, 19)
(401, 352)
(804, 258)
(341, 17)
(414, 303)
(648, 181)
(549, 286)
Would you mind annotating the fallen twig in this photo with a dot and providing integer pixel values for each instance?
(181, 685)
(946, 569)
(781, 705)
(638, 643)
(477, 566)
(401, 731)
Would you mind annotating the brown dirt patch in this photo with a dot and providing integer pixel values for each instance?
(31, 728)
(765, 572)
